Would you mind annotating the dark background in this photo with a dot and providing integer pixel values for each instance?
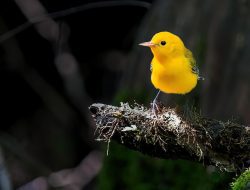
(54, 66)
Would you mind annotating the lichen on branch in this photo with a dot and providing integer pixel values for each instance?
(170, 135)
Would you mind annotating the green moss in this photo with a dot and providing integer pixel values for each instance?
(242, 182)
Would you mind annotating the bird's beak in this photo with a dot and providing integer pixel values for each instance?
(147, 44)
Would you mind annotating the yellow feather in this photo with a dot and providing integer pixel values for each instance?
(173, 64)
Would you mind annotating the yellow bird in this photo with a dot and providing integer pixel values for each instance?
(173, 66)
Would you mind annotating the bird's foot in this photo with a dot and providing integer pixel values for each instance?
(155, 107)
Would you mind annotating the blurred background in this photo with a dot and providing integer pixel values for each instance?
(59, 57)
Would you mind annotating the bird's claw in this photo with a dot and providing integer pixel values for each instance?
(155, 108)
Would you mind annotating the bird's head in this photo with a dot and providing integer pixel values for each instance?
(164, 45)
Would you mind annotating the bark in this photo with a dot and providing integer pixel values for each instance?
(172, 135)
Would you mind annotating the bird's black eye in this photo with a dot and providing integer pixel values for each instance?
(163, 43)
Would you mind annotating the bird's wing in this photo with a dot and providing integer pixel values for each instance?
(190, 57)
(195, 69)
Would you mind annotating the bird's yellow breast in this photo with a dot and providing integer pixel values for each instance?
(174, 75)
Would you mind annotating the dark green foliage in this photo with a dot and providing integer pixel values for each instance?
(126, 95)
(126, 169)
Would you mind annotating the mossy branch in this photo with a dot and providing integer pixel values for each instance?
(170, 135)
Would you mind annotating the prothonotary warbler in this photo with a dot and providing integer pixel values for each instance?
(173, 67)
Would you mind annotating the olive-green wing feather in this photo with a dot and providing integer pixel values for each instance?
(190, 57)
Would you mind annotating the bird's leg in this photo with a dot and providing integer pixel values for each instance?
(154, 104)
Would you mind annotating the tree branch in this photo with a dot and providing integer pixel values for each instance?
(170, 135)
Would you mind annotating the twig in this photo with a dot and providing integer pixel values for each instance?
(170, 135)
(72, 10)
